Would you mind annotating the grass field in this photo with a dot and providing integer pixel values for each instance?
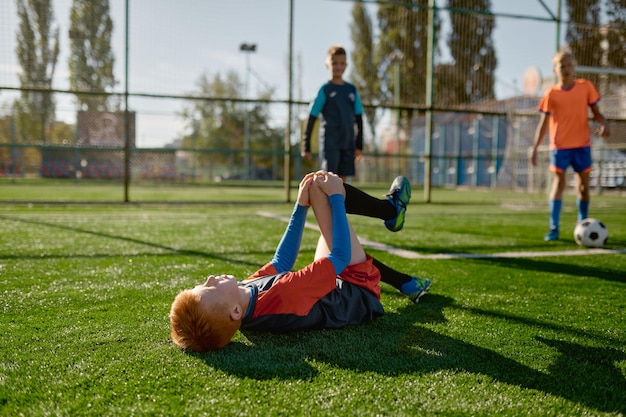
(537, 330)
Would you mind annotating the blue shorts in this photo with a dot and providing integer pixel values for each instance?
(578, 158)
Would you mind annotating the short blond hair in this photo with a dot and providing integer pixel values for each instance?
(197, 329)
(564, 52)
(335, 50)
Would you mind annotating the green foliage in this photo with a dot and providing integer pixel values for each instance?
(364, 74)
(216, 120)
(404, 29)
(85, 293)
(585, 43)
(474, 61)
(91, 60)
(7, 129)
(616, 36)
(216, 124)
(37, 52)
(595, 44)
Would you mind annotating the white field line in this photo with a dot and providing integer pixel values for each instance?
(403, 253)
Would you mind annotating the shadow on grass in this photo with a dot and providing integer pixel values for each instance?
(480, 249)
(560, 267)
(533, 323)
(177, 251)
(400, 343)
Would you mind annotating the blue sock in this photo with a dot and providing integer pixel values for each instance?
(583, 209)
(409, 287)
(555, 213)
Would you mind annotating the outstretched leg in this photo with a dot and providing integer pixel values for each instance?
(363, 204)
(414, 287)
(392, 210)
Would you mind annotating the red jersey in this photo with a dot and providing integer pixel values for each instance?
(313, 297)
(569, 114)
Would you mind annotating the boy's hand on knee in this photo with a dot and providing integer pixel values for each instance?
(330, 183)
(303, 190)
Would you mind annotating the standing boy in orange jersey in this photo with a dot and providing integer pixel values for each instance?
(564, 110)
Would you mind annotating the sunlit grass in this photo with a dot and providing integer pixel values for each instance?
(85, 292)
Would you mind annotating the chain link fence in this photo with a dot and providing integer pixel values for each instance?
(162, 116)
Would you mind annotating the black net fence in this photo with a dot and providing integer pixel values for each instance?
(122, 92)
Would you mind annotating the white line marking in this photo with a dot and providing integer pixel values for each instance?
(403, 253)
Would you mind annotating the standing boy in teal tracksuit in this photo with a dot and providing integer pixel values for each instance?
(340, 105)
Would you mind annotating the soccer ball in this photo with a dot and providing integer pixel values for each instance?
(591, 233)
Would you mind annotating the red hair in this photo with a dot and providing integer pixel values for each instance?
(195, 328)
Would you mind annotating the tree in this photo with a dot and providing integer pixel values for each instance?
(216, 120)
(449, 85)
(616, 35)
(404, 29)
(364, 72)
(91, 60)
(472, 49)
(402, 55)
(37, 52)
(583, 35)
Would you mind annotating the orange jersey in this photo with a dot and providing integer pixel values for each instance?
(569, 114)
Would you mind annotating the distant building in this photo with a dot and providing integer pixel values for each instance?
(98, 151)
(491, 149)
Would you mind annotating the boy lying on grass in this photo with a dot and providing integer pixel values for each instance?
(339, 288)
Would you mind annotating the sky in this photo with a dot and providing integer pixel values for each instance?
(173, 42)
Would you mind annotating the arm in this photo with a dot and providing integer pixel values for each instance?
(604, 129)
(314, 112)
(359, 133)
(289, 246)
(306, 141)
(358, 114)
(540, 133)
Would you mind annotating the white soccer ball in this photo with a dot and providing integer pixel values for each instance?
(591, 233)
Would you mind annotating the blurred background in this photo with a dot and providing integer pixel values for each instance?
(192, 92)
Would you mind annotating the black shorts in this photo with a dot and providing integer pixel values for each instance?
(339, 161)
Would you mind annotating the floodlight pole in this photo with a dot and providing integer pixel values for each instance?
(287, 138)
(127, 147)
(396, 58)
(430, 59)
(558, 26)
(247, 48)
